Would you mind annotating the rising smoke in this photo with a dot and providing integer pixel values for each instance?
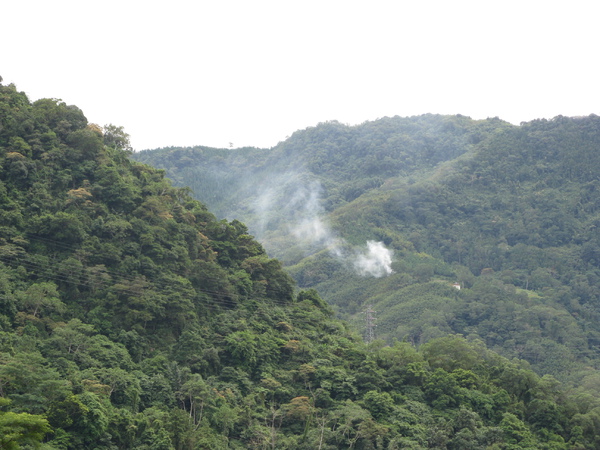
(292, 201)
(376, 261)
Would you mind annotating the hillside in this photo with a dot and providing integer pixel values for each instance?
(131, 317)
(508, 211)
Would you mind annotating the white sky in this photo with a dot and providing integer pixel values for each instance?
(251, 72)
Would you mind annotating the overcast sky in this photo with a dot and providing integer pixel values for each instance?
(251, 72)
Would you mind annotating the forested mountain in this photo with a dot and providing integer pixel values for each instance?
(508, 212)
(131, 317)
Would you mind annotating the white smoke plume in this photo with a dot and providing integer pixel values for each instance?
(305, 210)
(295, 200)
(375, 261)
(312, 230)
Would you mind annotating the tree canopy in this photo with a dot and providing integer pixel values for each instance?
(131, 317)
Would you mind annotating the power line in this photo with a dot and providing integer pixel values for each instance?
(45, 269)
(122, 276)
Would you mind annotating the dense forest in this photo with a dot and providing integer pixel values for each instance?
(507, 213)
(132, 317)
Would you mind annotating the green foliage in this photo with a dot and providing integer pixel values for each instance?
(508, 212)
(130, 317)
(17, 429)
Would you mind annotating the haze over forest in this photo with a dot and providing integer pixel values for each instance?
(388, 215)
(137, 313)
(391, 180)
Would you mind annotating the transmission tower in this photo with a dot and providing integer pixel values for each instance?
(370, 324)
